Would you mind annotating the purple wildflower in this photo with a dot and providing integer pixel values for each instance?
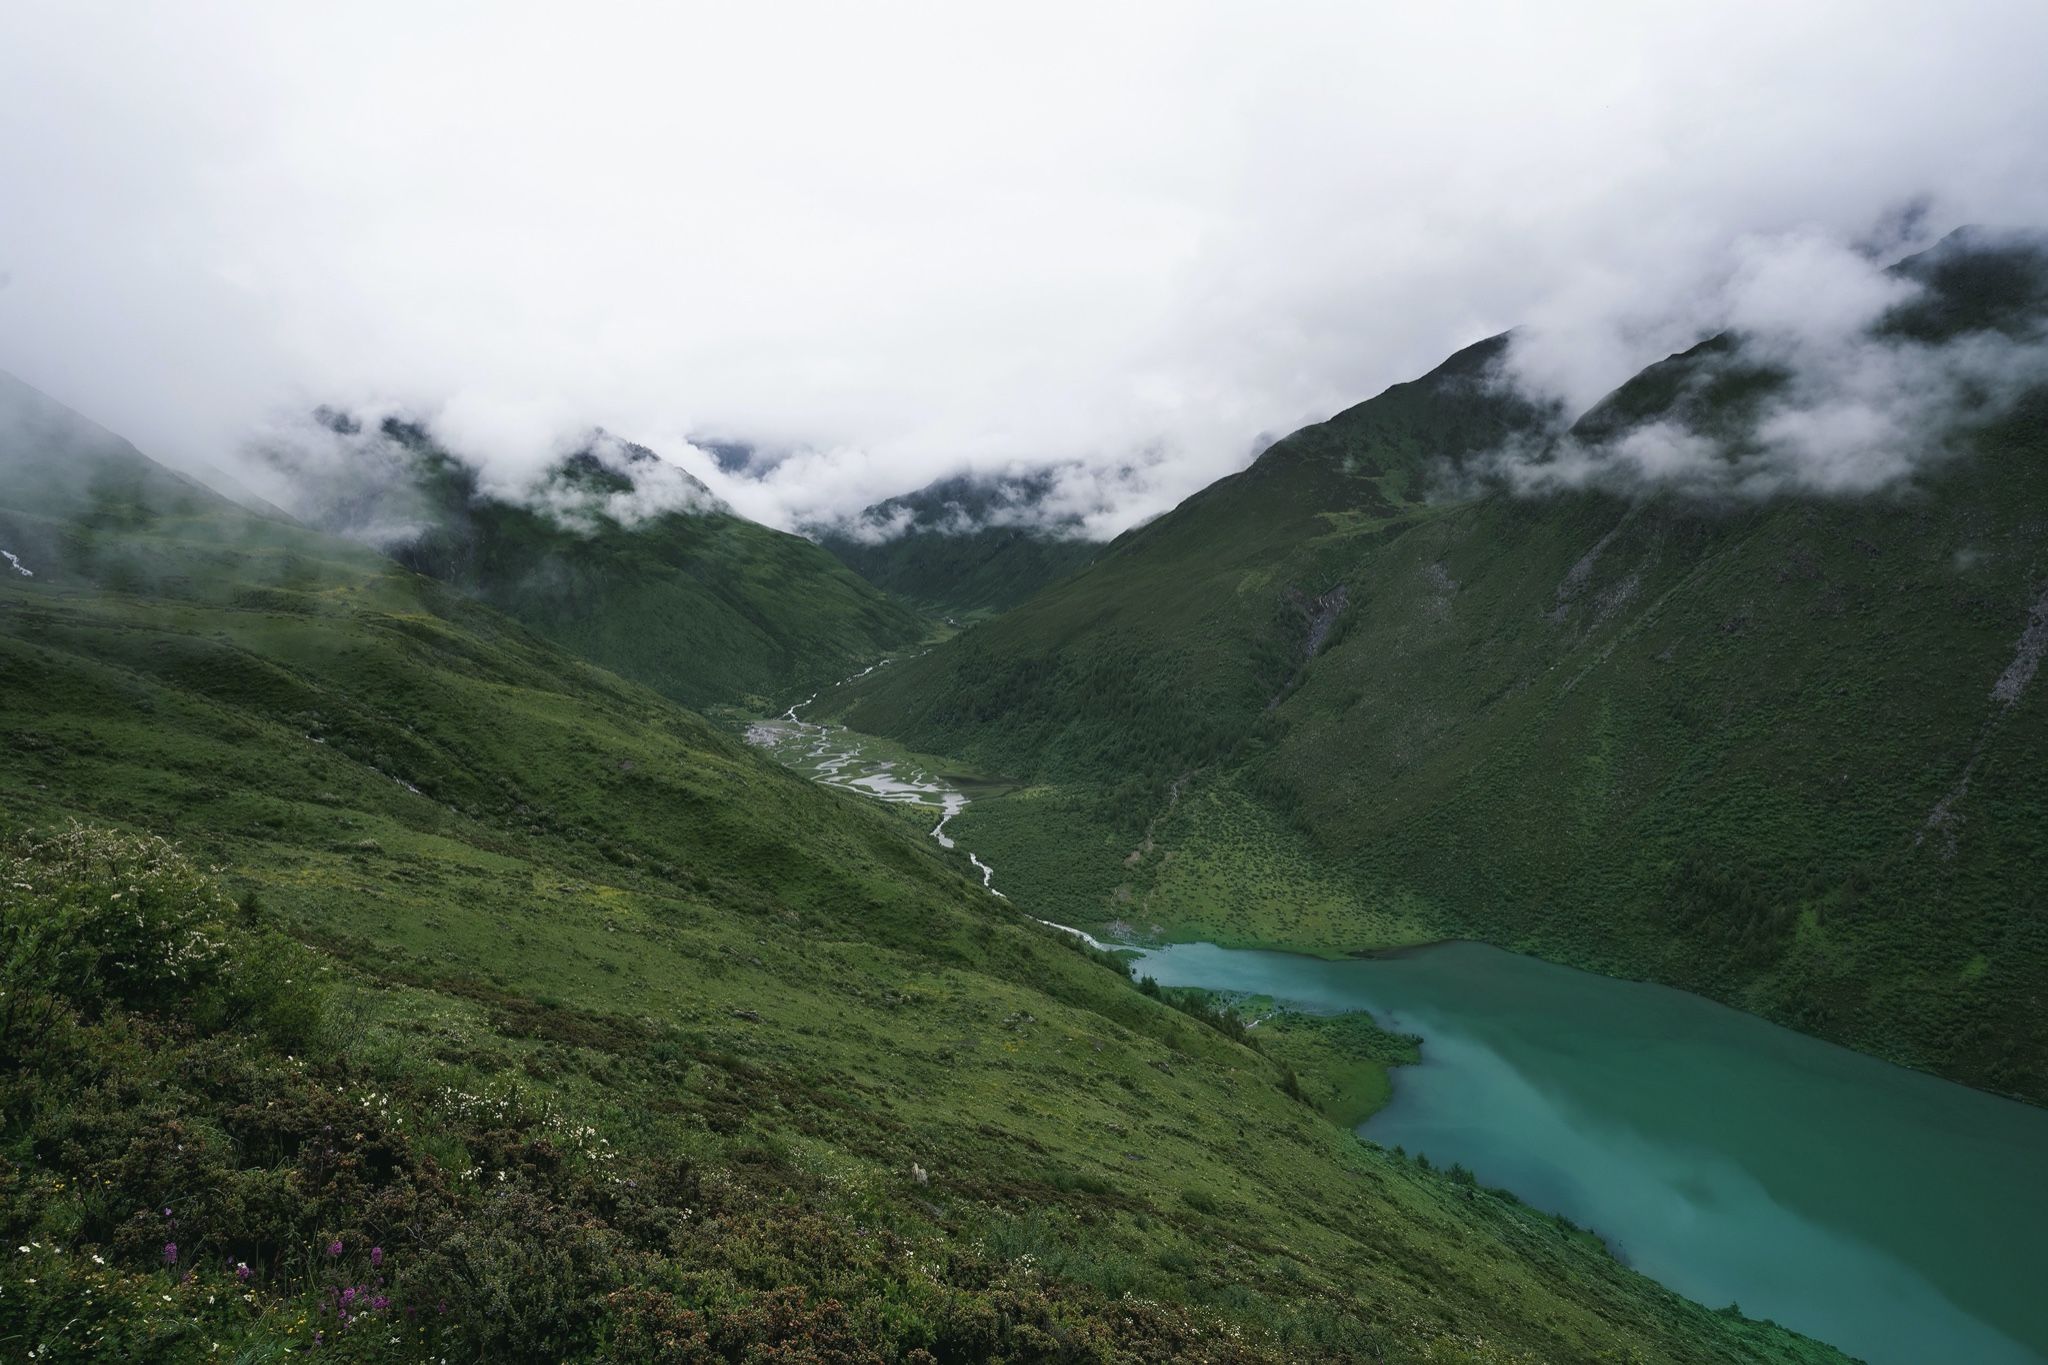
(242, 1271)
(379, 1304)
(348, 1296)
(376, 1256)
(170, 1253)
(334, 1247)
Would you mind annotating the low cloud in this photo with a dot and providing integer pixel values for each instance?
(653, 487)
(874, 527)
(1821, 386)
(382, 477)
(339, 471)
(1072, 501)
(886, 244)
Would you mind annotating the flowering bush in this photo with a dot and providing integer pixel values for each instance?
(92, 918)
(99, 917)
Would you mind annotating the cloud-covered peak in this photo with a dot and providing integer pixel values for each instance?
(1068, 501)
(1825, 371)
(885, 245)
(385, 478)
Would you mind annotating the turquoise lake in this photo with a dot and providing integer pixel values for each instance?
(1899, 1217)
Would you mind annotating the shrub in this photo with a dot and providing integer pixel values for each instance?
(97, 917)
(94, 918)
(522, 1275)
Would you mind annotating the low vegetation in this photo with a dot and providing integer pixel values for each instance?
(962, 548)
(384, 981)
(1776, 752)
(625, 561)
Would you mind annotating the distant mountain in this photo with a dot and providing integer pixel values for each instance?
(963, 545)
(618, 555)
(731, 456)
(1784, 748)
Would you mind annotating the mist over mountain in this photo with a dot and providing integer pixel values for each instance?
(1829, 375)
(966, 544)
(1054, 684)
(965, 504)
(1758, 718)
(611, 549)
(375, 478)
(1199, 240)
(616, 970)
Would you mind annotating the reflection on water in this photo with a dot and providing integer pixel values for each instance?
(1894, 1215)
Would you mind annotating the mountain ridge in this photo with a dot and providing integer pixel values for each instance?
(385, 980)
(1747, 746)
(616, 553)
(962, 545)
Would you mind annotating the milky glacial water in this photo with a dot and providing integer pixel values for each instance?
(841, 758)
(1899, 1217)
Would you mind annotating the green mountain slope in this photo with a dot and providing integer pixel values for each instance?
(1783, 752)
(488, 1006)
(625, 560)
(961, 546)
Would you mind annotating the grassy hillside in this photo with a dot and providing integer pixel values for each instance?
(1786, 753)
(1153, 659)
(625, 560)
(961, 547)
(412, 989)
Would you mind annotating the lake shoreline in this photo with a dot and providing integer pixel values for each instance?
(1725, 1156)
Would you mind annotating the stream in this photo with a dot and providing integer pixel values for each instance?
(838, 757)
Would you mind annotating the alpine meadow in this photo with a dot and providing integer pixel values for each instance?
(1082, 685)
(1781, 753)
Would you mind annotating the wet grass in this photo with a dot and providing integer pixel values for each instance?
(1755, 750)
(547, 913)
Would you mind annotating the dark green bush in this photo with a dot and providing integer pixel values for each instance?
(94, 918)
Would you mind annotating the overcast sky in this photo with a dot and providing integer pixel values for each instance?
(903, 240)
